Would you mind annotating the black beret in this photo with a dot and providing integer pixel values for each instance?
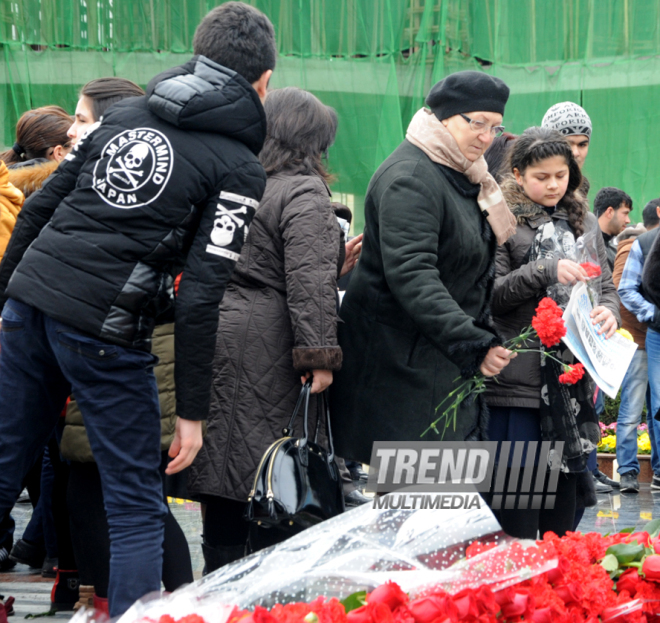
(467, 91)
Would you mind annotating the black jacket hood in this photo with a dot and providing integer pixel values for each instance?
(202, 95)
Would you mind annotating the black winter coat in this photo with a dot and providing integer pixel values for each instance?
(278, 319)
(651, 276)
(415, 315)
(167, 180)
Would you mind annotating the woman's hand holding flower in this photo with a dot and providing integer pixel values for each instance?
(570, 272)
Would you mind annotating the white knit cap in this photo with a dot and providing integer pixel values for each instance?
(567, 118)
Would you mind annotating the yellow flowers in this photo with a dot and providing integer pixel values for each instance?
(626, 334)
(608, 443)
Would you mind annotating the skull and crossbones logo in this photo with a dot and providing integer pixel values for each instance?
(134, 168)
(225, 225)
(128, 169)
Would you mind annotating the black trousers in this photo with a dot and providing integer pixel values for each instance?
(91, 541)
(527, 524)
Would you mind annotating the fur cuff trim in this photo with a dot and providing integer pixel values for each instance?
(328, 358)
(479, 349)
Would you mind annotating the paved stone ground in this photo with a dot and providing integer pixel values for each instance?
(32, 592)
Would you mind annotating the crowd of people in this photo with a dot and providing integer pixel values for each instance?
(173, 256)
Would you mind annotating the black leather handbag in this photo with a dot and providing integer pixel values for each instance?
(297, 483)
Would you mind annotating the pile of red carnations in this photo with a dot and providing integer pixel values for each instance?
(613, 578)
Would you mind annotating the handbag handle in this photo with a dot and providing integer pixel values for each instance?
(304, 395)
(326, 407)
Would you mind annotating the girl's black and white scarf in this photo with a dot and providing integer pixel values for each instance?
(567, 412)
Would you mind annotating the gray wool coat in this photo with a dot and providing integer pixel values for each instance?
(277, 320)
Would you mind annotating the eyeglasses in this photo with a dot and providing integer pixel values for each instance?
(480, 127)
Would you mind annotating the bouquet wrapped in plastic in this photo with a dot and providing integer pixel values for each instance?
(583, 251)
(423, 566)
(356, 551)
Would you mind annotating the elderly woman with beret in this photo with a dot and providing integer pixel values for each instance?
(415, 315)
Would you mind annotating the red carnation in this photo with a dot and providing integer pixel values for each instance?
(592, 270)
(569, 593)
(572, 374)
(548, 323)
(556, 575)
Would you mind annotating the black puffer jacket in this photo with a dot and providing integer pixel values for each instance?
(166, 180)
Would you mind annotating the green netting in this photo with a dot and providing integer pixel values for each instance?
(374, 60)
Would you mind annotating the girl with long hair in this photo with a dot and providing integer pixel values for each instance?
(528, 403)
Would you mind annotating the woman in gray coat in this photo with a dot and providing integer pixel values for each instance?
(278, 321)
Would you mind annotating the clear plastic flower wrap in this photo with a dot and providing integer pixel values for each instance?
(586, 248)
(583, 251)
(357, 551)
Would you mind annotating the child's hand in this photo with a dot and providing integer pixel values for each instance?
(569, 272)
(605, 318)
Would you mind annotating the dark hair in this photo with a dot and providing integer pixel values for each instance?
(610, 196)
(536, 144)
(239, 37)
(650, 213)
(36, 132)
(342, 211)
(104, 92)
(496, 154)
(300, 130)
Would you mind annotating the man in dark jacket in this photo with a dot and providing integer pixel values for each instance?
(164, 181)
(612, 209)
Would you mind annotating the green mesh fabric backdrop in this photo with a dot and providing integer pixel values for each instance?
(374, 60)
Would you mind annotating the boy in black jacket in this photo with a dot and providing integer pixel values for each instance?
(167, 180)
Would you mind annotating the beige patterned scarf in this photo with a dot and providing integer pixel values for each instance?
(427, 132)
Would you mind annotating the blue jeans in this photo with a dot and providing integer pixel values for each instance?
(653, 359)
(633, 394)
(42, 361)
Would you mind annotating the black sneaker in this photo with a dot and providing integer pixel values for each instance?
(600, 477)
(655, 483)
(28, 554)
(629, 482)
